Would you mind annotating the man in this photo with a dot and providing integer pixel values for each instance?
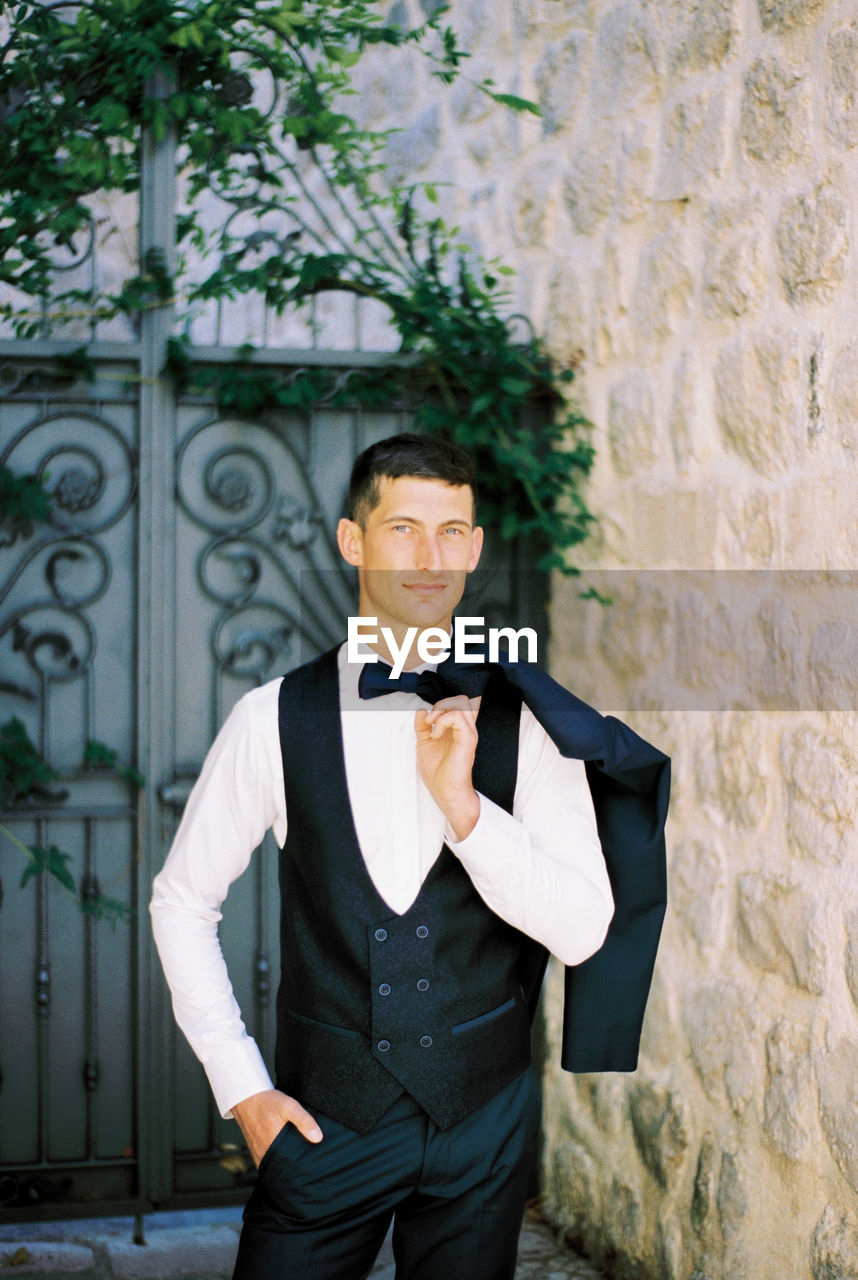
(434, 846)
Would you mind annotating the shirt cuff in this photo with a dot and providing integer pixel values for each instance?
(236, 1071)
(479, 850)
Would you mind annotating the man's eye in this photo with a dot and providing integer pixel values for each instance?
(453, 529)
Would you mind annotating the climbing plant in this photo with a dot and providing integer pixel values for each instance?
(26, 777)
(260, 93)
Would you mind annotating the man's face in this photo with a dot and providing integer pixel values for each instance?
(415, 552)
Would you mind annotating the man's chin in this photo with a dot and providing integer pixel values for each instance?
(435, 610)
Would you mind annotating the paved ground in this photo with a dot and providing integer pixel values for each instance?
(201, 1246)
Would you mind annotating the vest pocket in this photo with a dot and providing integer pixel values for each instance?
(482, 1018)
(323, 1026)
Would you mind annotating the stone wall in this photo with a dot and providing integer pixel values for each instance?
(682, 219)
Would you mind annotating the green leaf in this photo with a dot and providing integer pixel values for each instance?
(51, 862)
(97, 755)
(514, 102)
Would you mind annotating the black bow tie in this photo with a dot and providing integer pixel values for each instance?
(448, 681)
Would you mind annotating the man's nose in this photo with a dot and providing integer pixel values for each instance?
(429, 554)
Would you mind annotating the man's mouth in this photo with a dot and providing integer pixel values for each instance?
(426, 588)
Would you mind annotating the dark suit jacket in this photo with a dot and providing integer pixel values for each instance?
(630, 783)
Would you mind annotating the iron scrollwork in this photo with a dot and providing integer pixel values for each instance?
(268, 561)
(64, 568)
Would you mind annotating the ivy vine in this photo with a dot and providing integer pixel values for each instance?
(75, 95)
(27, 778)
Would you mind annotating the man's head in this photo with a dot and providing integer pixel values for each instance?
(423, 457)
(410, 530)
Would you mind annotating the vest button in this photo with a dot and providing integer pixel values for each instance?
(423, 984)
(383, 1046)
(426, 1042)
(384, 989)
(422, 931)
(380, 935)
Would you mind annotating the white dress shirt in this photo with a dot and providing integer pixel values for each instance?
(541, 868)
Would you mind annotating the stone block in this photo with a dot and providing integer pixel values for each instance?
(684, 411)
(567, 319)
(632, 428)
(612, 339)
(561, 81)
(699, 894)
(775, 120)
(535, 209)
(789, 1110)
(820, 518)
(724, 1050)
(843, 391)
(660, 1128)
(781, 682)
(836, 1074)
(785, 15)
(704, 1218)
(634, 636)
(759, 394)
(636, 170)
(629, 57)
(749, 534)
(780, 930)
(732, 1196)
(834, 1251)
(623, 1224)
(744, 769)
(852, 955)
(701, 35)
(706, 645)
(841, 87)
(413, 149)
(813, 244)
(819, 775)
(573, 1187)
(468, 103)
(735, 275)
(663, 288)
(694, 145)
(834, 664)
(589, 189)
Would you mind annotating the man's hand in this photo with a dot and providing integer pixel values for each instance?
(261, 1117)
(446, 742)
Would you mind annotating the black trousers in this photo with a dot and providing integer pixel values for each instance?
(456, 1196)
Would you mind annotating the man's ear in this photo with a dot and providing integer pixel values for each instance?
(350, 541)
(476, 549)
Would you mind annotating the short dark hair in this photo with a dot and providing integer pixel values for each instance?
(424, 457)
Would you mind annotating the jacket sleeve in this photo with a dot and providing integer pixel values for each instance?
(606, 995)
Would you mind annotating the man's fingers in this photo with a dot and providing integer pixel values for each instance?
(459, 702)
(263, 1115)
(303, 1121)
(453, 718)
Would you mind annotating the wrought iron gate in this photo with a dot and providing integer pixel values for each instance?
(190, 557)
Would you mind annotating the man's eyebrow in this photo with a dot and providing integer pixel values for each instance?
(414, 520)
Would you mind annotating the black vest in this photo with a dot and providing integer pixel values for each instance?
(372, 1004)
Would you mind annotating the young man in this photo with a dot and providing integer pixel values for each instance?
(435, 846)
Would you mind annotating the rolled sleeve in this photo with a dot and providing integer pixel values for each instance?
(235, 800)
(541, 868)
